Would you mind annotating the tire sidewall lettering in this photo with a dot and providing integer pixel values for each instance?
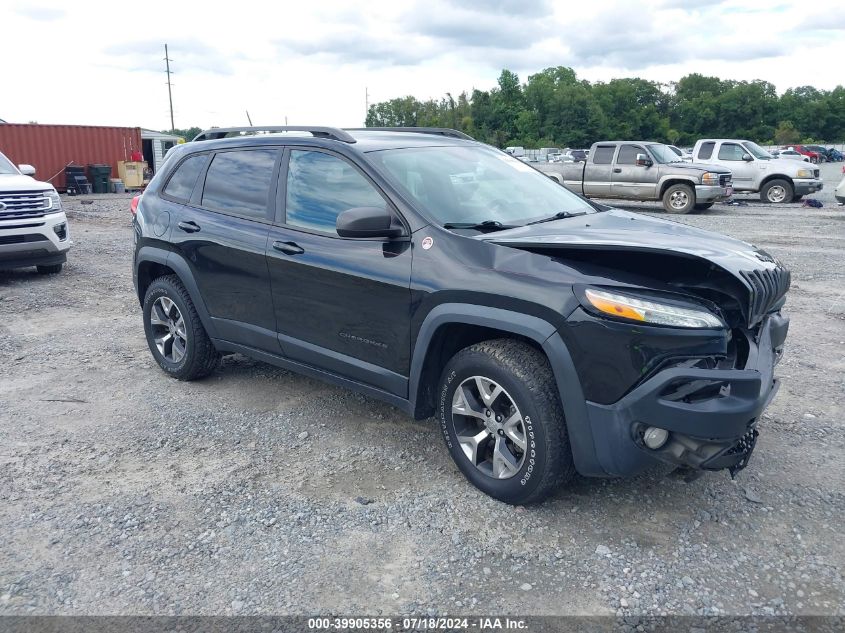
(531, 462)
(444, 419)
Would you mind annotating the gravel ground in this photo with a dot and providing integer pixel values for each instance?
(260, 491)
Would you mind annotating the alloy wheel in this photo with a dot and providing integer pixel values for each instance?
(168, 330)
(678, 199)
(489, 427)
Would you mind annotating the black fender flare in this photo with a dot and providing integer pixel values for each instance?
(182, 270)
(547, 337)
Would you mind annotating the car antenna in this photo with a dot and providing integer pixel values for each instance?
(248, 119)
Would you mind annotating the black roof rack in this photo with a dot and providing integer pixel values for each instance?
(439, 131)
(316, 130)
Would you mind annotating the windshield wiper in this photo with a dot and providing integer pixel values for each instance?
(486, 225)
(560, 215)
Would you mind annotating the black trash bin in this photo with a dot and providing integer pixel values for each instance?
(99, 176)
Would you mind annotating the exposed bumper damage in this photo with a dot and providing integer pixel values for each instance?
(703, 390)
(711, 415)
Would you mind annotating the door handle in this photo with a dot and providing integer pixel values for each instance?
(617, 170)
(189, 226)
(289, 248)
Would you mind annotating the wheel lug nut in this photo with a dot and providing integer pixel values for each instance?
(488, 413)
(498, 418)
(501, 432)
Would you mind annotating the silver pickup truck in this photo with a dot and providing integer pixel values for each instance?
(641, 170)
(755, 170)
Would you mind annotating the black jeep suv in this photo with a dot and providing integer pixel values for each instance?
(548, 334)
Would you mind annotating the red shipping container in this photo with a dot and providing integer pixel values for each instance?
(49, 148)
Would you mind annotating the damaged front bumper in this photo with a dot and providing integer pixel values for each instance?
(711, 415)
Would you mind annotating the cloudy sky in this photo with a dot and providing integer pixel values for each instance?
(101, 63)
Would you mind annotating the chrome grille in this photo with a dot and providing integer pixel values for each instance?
(15, 205)
(724, 180)
(815, 173)
(767, 288)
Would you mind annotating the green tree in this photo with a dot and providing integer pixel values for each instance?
(786, 134)
(189, 134)
(553, 107)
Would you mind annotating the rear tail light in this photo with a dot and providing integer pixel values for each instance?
(133, 206)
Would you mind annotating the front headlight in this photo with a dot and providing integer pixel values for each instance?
(804, 173)
(647, 311)
(55, 200)
(709, 178)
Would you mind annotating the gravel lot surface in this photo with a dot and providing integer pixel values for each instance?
(259, 491)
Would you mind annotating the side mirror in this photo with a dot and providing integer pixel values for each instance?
(367, 222)
(27, 170)
(643, 161)
(747, 158)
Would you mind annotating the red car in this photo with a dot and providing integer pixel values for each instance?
(814, 156)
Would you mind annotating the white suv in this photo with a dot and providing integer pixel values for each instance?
(33, 227)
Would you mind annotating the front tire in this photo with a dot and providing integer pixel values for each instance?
(50, 269)
(175, 334)
(679, 199)
(776, 191)
(500, 414)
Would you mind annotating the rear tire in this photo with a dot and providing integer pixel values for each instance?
(703, 206)
(520, 452)
(679, 199)
(50, 269)
(175, 334)
(776, 191)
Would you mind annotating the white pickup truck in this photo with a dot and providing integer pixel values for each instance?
(33, 227)
(755, 170)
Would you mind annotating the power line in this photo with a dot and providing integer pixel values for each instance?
(167, 61)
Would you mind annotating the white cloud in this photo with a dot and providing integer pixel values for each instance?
(312, 62)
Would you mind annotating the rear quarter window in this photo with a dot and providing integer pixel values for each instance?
(184, 177)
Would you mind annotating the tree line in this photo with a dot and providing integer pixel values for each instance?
(556, 109)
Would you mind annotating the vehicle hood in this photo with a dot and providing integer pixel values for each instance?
(698, 168)
(627, 235)
(789, 166)
(18, 182)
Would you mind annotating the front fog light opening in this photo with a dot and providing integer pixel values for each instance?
(61, 231)
(655, 437)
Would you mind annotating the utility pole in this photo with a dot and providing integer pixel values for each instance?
(167, 61)
(366, 101)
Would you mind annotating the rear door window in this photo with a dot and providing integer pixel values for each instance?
(182, 182)
(604, 154)
(706, 150)
(238, 182)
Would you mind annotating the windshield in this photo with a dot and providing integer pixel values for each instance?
(473, 184)
(662, 154)
(756, 151)
(6, 167)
